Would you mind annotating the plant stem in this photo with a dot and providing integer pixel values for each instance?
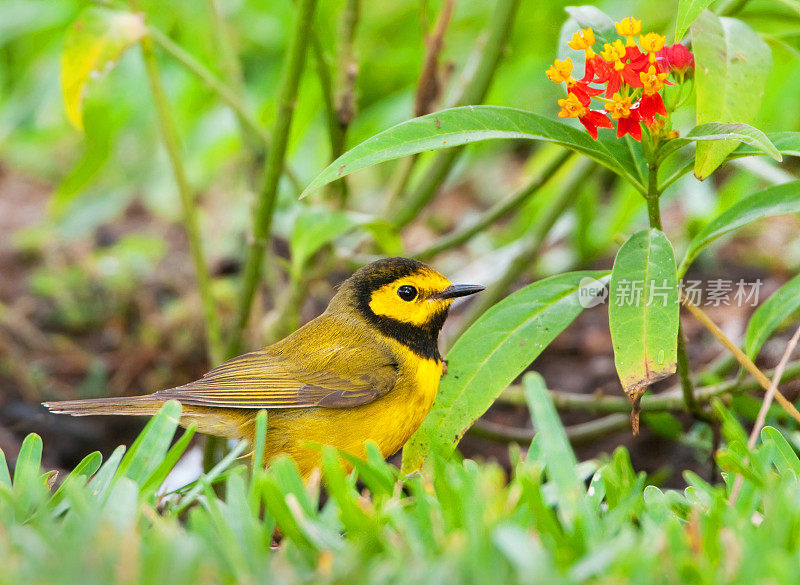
(169, 134)
(765, 404)
(231, 69)
(225, 93)
(740, 356)
(533, 242)
(578, 434)
(684, 375)
(688, 167)
(474, 92)
(669, 400)
(335, 130)
(497, 211)
(348, 68)
(428, 88)
(652, 196)
(262, 223)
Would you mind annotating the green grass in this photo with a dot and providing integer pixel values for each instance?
(456, 522)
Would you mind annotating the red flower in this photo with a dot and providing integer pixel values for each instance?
(651, 102)
(582, 90)
(593, 68)
(561, 71)
(594, 119)
(649, 106)
(627, 116)
(615, 68)
(571, 107)
(630, 125)
(675, 58)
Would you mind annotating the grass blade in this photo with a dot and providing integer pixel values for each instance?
(150, 447)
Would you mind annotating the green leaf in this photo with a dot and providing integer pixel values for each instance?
(688, 11)
(464, 125)
(494, 351)
(739, 132)
(785, 450)
(787, 143)
(374, 473)
(97, 39)
(81, 474)
(768, 317)
(160, 473)
(29, 486)
(258, 471)
(559, 458)
(5, 476)
(313, 229)
(285, 518)
(386, 236)
(664, 424)
(207, 479)
(776, 200)
(100, 128)
(150, 447)
(104, 477)
(262, 420)
(732, 65)
(643, 311)
(29, 461)
(341, 489)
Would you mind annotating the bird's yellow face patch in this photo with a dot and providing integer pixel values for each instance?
(409, 299)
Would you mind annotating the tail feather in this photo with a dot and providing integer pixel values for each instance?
(224, 422)
(131, 405)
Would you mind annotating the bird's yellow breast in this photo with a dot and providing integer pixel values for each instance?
(388, 421)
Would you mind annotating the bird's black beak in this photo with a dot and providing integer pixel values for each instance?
(458, 290)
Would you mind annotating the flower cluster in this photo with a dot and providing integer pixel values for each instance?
(633, 76)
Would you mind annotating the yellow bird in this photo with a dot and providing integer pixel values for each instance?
(368, 368)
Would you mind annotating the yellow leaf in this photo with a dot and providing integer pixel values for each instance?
(93, 45)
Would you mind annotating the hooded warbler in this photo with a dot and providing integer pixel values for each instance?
(368, 368)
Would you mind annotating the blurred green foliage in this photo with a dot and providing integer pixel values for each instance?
(100, 173)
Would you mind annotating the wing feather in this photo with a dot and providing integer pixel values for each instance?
(263, 380)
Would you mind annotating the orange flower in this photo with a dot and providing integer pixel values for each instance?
(614, 54)
(651, 44)
(583, 41)
(652, 81)
(651, 102)
(629, 28)
(560, 71)
(571, 107)
(616, 68)
(627, 116)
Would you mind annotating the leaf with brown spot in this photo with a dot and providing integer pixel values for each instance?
(643, 311)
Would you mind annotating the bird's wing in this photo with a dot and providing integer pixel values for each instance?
(264, 380)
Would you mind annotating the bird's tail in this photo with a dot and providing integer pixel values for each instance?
(224, 422)
(132, 405)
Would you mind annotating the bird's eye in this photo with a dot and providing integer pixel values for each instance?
(407, 292)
